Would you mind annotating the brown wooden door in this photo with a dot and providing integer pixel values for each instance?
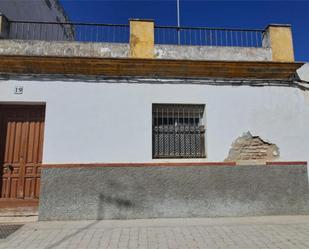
(21, 149)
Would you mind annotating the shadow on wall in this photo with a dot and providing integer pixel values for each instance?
(120, 204)
(3, 133)
(297, 83)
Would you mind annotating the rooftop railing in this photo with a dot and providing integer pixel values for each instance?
(57, 31)
(120, 33)
(202, 36)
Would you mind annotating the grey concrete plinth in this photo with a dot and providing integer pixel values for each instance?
(167, 192)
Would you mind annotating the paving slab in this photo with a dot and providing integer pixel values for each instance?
(271, 232)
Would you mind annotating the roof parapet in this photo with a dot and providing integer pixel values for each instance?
(274, 43)
(278, 37)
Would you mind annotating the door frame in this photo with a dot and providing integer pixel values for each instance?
(17, 105)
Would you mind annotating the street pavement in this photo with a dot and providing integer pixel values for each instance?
(271, 232)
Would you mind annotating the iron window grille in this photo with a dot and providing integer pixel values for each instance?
(178, 131)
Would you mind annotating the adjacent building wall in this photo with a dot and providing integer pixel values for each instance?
(33, 10)
(36, 11)
(91, 121)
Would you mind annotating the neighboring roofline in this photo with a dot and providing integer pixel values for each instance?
(140, 19)
(278, 25)
(60, 8)
(147, 67)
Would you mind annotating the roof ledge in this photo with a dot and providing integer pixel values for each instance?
(148, 67)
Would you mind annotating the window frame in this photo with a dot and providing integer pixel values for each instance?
(199, 131)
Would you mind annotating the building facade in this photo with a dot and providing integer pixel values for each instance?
(25, 20)
(146, 129)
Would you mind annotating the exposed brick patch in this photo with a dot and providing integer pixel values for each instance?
(252, 148)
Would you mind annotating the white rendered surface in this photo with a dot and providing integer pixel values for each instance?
(90, 122)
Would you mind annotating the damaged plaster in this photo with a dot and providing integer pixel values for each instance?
(212, 53)
(252, 148)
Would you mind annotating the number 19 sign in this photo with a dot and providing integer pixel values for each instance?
(18, 90)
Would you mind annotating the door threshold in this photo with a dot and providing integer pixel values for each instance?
(15, 203)
(18, 208)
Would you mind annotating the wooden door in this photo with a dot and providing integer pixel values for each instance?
(21, 149)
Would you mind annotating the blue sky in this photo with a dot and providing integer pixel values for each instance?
(233, 14)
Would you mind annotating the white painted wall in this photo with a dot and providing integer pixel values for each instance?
(104, 122)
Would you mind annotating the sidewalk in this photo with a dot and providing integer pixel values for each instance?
(284, 232)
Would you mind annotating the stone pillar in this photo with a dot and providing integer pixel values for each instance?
(141, 38)
(279, 38)
(4, 27)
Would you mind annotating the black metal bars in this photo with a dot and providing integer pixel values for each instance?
(202, 36)
(95, 32)
(59, 31)
(178, 131)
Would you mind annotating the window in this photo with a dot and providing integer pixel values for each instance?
(178, 131)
